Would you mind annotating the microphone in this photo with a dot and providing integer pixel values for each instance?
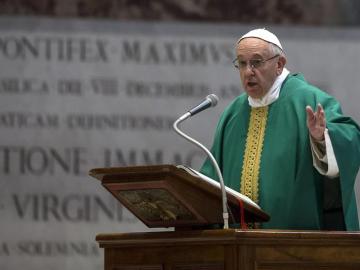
(210, 101)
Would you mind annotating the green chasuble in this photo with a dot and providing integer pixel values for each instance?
(288, 187)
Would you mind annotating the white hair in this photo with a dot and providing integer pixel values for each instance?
(276, 50)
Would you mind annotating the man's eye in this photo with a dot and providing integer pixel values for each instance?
(255, 63)
(242, 63)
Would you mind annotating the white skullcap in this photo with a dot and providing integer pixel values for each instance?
(264, 35)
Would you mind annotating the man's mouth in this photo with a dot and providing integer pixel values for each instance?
(251, 84)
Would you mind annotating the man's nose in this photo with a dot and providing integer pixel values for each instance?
(248, 69)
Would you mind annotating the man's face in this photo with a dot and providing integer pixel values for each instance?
(257, 81)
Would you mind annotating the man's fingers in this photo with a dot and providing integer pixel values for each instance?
(316, 121)
(320, 110)
(310, 113)
(317, 115)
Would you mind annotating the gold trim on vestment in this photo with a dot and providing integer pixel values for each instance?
(249, 184)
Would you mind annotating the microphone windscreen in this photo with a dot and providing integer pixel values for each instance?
(213, 99)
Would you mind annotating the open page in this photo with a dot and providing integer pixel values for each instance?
(217, 184)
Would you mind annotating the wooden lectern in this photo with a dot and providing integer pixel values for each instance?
(231, 250)
(171, 196)
(164, 196)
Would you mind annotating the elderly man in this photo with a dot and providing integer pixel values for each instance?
(273, 147)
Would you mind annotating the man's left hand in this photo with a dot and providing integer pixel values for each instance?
(316, 122)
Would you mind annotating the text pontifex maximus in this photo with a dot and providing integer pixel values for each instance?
(89, 49)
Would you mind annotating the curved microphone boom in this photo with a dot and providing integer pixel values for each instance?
(210, 101)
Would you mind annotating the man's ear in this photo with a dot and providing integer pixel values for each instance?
(280, 64)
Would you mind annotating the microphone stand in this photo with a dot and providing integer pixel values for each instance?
(216, 166)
